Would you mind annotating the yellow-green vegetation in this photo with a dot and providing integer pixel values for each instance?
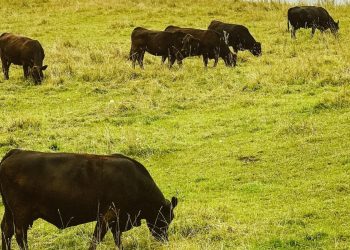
(258, 154)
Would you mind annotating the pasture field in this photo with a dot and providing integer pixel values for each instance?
(258, 155)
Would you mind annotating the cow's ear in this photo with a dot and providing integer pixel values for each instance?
(338, 22)
(44, 67)
(173, 202)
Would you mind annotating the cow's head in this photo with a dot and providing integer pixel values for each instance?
(190, 45)
(228, 57)
(334, 27)
(37, 73)
(256, 49)
(159, 225)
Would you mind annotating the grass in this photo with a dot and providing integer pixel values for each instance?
(258, 155)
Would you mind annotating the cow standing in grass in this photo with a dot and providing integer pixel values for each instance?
(70, 189)
(311, 17)
(212, 45)
(238, 36)
(23, 51)
(159, 43)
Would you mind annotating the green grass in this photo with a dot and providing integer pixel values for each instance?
(258, 155)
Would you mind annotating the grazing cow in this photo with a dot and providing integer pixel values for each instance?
(23, 51)
(238, 37)
(70, 189)
(311, 17)
(212, 45)
(158, 43)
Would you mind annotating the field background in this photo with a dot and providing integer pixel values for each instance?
(258, 155)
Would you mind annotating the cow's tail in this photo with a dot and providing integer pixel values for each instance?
(130, 55)
(4, 202)
(7, 155)
(288, 23)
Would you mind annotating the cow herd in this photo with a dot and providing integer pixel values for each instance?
(176, 43)
(114, 190)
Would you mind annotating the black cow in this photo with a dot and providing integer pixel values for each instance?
(70, 189)
(23, 51)
(311, 17)
(212, 45)
(238, 37)
(158, 43)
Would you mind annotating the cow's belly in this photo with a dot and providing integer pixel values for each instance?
(63, 220)
(62, 209)
(14, 60)
(13, 56)
(67, 216)
(157, 50)
(17, 63)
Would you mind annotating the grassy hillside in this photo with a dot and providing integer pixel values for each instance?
(258, 155)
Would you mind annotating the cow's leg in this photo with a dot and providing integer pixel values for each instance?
(21, 236)
(140, 58)
(5, 68)
(22, 221)
(178, 58)
(215, 62)
(133, 62)
(25, 71)
(172, 60)
(216, 57)
(100, 231)
(163, 59)
(205, 60)
(292, 33)
(7, 230)
(117, 234)
(313, 29)
(133, 57)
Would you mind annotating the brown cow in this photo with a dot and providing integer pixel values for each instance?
(158, 43)
(70, 189)
(313, 17)
(23, 51)
(238, 37)
(212, 45)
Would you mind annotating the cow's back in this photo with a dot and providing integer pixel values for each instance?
(215, 25)
(208, 38)
(196, 33)
(237, 32)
